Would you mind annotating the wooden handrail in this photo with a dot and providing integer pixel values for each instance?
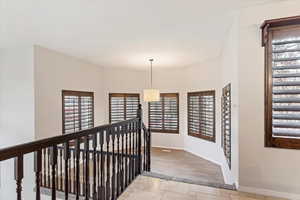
(17, 150)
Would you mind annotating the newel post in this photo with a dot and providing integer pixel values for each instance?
(140, 116)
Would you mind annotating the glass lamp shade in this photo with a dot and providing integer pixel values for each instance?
(151, 95)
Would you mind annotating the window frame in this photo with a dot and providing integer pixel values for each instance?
(124, 95)
(267, 27)
(199, 135)
(79, 94)
(162, 95)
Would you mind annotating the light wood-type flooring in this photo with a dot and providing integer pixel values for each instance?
(183, 165)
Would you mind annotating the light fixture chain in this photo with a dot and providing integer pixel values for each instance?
(151, 74)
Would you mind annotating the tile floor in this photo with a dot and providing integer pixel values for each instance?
(148, 188)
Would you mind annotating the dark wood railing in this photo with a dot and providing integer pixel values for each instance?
(98, 163)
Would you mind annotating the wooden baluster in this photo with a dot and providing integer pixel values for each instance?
(61, 169)
(83, 173)
(70, 171)
(48, 168)
(149, 150)
(77, 151)
(53, 170)
(37, 170)
(66, 158)
(122, 158)
(107, 165)
(102, 170)
(139, 138)
(144, 149)
(44, 168)
(132, 150)
(72, 179)
(98, 174)
(135, 148)
(130, 155)
(113, 182)
(87, 168)
(126, 155)
(19, 174)
(118, 161)
(94, 164)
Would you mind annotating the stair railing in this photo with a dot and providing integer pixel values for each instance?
(97, 163)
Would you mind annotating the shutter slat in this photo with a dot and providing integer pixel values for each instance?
(287, 116)
(286, 100)
(287, 83)
(286, 75)
(286, 108)
(286, 42)
(287, 91)
(286, 124)
(286, 67)
(286, 133)
(286, 50)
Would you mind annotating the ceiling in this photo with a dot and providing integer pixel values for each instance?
(122, 33)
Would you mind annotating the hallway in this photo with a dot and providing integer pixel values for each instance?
(183, 165)
(148, 188)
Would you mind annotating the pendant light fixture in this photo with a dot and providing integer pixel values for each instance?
(151, 94)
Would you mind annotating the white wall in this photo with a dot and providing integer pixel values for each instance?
(262, 170)
(229, 74)
(16, 115)
(55, 72)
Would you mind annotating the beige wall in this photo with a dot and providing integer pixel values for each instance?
(54, 72)
(262, 170)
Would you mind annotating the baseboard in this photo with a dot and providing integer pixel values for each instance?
(164, 147)
(267, 192)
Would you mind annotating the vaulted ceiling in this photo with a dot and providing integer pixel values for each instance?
(122, 33)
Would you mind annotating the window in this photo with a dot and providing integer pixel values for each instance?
(201, 115)
(281, 39)
(78, 110)
(164, 114)
(123, 106)
(226, 122)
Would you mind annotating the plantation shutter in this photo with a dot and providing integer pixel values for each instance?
(226, 122)
(286, 82)
(123, 106)
(201, 115)
(78, 111)
(164, 114)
